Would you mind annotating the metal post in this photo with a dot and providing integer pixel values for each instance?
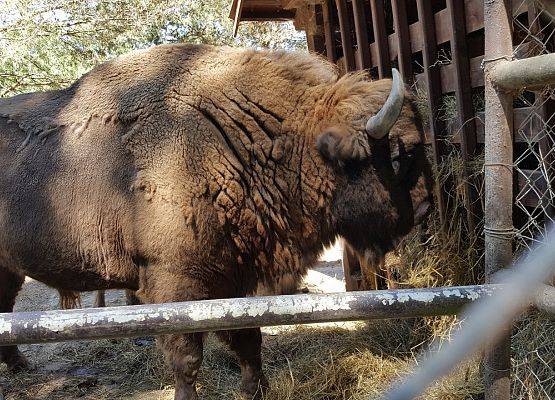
(498, 227)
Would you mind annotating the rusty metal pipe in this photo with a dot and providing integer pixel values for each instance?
(530, 73)
(211, 315)
(545, 299)
(498, 177)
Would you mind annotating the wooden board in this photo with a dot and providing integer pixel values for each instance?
(346, 40)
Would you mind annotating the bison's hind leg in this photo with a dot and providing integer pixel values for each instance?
(246, 343)
(131, 298)
(10, 284)
(69, 299)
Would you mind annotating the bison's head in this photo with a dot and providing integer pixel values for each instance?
(374, 143)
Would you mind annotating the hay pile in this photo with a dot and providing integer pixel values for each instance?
(305, 363)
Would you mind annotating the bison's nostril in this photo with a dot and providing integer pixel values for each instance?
(396, 167)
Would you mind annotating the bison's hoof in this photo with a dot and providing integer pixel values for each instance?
(17, 363)
(185, 392)
(255, 389)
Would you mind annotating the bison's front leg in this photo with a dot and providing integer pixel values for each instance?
(246, 343)
(10, 284)
(182, 352)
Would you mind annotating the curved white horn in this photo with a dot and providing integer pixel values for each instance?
(379, 125)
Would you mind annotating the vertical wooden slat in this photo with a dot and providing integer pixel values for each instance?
(433, 84)
(329, 30)
(310, 37)
(401, 25)
(237, 18)
(346, 41)
(463, 94)
(361, 31)
(319, 39)
(315, 41)
(381, 38)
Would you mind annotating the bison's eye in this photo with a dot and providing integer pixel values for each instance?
(401, 163)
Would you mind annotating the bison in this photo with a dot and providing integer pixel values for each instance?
(190, 172)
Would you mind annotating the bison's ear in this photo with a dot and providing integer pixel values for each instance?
(337, 144)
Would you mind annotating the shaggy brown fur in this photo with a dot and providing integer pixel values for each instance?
(193, 172)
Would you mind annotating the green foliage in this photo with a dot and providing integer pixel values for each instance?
(47, 44)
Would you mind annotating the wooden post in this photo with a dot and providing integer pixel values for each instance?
(463, 93)
(346, 41)
(380, 37)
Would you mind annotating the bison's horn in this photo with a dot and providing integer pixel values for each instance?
(379, 125)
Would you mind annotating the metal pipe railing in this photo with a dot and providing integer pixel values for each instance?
(529, 73)
(223, 314)
(545, 299)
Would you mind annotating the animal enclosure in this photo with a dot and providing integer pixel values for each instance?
(435, 49)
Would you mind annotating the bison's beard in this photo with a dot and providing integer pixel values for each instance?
(286, 284)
